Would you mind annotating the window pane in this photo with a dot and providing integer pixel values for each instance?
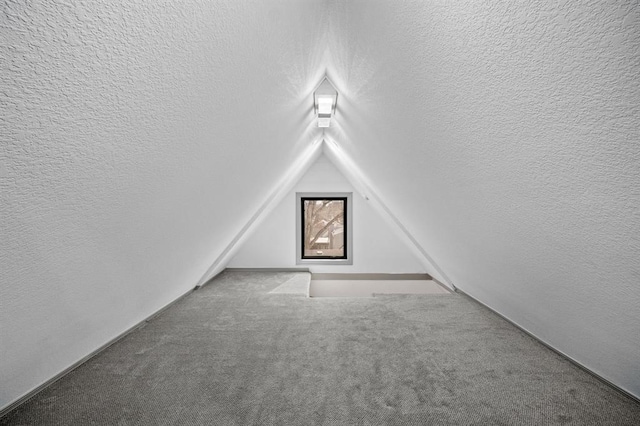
(323, 228)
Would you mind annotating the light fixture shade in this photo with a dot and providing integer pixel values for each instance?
(325, 98)
(324, 121)
(325, 104)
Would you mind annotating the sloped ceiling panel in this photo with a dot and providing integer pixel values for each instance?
(137, 138)
(505, 135)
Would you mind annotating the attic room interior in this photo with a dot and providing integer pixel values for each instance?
(320, 212)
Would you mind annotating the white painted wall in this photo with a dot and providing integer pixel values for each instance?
(137, 138)
(376, 246)
(505, 136)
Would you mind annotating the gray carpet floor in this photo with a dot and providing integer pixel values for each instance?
(232, 353)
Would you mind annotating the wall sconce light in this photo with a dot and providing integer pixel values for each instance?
(325, 98)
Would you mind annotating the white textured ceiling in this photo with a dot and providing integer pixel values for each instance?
(506, 137)
(137, 138)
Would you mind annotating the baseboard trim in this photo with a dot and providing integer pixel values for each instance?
(33, 392)
(446, 287)
(559, 352)
(267, 269)
(369, 276)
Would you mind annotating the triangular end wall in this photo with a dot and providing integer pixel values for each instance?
(376, 247)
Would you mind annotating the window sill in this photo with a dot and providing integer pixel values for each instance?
(324, 262)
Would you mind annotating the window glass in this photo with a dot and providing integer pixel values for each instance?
(324, 228)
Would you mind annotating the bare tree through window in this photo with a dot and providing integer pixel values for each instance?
(323, 228)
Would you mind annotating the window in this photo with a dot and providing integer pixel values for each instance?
(324, 228)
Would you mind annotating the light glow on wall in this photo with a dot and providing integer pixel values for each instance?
(325, 98)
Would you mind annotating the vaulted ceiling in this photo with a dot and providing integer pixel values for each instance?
(139, 137)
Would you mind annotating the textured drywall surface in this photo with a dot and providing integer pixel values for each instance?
(376, 248)
(137, 138)
(506, 138)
